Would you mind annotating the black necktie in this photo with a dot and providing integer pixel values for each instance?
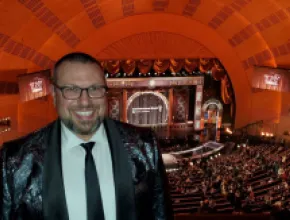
(95, 209)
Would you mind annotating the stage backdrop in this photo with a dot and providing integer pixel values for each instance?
(34, 85)
(148, 108)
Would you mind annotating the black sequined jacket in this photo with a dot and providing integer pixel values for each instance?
(31, 184)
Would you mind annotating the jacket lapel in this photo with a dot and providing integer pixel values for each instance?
(125, 199)
(54, 203)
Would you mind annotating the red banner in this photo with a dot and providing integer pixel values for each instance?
(34, 85)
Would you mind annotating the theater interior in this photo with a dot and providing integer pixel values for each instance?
(210, 77)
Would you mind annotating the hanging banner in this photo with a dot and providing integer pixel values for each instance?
(271, 79)
(34, 85)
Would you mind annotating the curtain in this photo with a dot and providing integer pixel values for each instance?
(128, 66)
(112, 66)
(217, 70)
(144, 66)
(205, 64)
(226, 93)
(103, 64)
(160, 66)
(176, 65)
(191, 64)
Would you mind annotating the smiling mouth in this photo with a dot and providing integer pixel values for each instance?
(87, 113)
(84, 115)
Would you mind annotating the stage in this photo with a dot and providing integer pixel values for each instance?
(165, 104)
(172, 106)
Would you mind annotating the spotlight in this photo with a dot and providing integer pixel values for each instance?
(228, 131)
(151, 83)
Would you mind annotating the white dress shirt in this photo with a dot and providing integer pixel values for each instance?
(73, 168)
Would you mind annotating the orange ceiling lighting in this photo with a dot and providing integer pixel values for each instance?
(240, 33)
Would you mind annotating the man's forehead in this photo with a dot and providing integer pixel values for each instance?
(71, 68)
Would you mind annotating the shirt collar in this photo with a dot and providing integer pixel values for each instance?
(70, 140)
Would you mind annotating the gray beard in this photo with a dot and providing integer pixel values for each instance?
(72, 127)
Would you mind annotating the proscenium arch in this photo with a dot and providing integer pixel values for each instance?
(179, 24)
(219, 106)
(214, 102)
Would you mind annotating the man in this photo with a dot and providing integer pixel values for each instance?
(83, 165)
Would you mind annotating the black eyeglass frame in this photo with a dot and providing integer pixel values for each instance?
(62, 88)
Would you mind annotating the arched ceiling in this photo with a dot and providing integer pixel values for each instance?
(34, 33)
(241, 33)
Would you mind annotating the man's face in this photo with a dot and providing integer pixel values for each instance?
(84, 115)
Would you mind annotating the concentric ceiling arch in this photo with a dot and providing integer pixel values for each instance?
(241, 33)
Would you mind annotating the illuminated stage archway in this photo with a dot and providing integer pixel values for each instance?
(147, 108)
(213, 102)
(213, 108)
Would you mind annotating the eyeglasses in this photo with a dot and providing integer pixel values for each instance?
(75, 92)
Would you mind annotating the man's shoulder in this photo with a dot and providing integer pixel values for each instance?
(139, 141)
(35, 138)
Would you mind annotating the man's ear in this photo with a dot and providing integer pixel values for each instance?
(52, 92)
